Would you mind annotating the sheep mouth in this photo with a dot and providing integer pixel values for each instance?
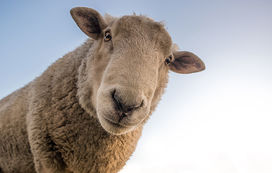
(117, 124)
(114, 123)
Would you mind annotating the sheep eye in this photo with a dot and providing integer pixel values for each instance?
(168, 59)
(107, 36)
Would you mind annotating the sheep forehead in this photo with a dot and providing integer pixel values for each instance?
(141, 26)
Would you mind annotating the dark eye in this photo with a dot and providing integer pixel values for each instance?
(107, 36)
(168, 59)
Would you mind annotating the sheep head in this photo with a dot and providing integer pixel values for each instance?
(127, 67)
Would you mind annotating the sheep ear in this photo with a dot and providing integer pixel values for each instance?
(186, 62)
(89, 21)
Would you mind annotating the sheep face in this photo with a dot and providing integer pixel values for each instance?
(128, 67)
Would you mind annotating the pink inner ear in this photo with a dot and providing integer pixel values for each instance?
(189, 60)
(186, 62)
(89, 21)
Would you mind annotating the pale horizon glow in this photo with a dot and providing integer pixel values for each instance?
(219, 120)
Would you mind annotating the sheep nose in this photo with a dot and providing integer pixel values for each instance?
(123, 108)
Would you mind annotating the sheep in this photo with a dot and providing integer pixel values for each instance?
(86, 112)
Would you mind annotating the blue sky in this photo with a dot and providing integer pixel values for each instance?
(218, 120)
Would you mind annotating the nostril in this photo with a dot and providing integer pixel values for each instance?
(132, 108)
(121, 106)
(129, 109)
(142, 104)
(116, 101)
